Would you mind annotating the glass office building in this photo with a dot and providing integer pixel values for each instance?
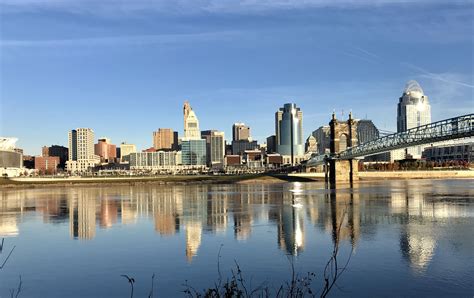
(288, 125)
(194, 152)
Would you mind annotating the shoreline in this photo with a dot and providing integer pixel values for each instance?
(10, 183)
(13, 183)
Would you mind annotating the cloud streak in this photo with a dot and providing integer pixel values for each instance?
(161, 39)
(446, 78)
(196, 6)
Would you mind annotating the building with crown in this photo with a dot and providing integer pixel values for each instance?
(413, 110)
(193, 147)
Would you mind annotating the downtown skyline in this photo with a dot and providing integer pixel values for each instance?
(125, 72)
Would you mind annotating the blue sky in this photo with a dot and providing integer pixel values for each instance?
(124, 68)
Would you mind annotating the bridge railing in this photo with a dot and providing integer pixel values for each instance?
(453, 128)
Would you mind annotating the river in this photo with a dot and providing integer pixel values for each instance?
(395, 238)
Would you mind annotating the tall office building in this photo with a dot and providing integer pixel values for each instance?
(323, 139)
(193, 148)
(81, 150)
(215, 147)
(240, 131)
(105, 150)
(165, 139)
(193, 152)
(126, 150)
(366, 131)
(191, 123)
(413, 110)
(239, 147)
(271, 144)
(289, 131)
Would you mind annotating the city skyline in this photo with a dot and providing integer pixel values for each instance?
(118, 67)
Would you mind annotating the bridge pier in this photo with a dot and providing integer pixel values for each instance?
(343, 135)
(343, 171)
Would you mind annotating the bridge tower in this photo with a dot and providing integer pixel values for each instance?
(343, 135)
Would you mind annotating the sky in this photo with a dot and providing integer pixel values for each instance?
(125, 68)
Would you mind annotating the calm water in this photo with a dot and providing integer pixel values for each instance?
(410, 238)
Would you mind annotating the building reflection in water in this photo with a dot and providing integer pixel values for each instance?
(290, 221)
(12, 206)
(82, 214)
(198, 209)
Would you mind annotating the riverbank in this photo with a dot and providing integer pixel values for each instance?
(164, 179)
(30, 182)
(438, 174)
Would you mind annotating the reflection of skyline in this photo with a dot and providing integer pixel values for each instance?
(82, 215)
(12, 206)
(199, 209)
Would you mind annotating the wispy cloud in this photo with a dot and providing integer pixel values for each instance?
(193, 6)
(444, 77)
(125, 40)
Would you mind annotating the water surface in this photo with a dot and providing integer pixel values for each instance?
(409, 238)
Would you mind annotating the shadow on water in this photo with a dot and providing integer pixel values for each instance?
(287, 178)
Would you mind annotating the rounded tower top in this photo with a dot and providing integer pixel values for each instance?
(413, 89)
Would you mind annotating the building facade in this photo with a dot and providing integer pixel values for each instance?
(366, 131)
(239, 147)
(105, 150)
(452, 152)
(215, 147)
(240, 131)
(271, 144)
(323, 139)
(311, 145)
(165, 139)
(81, 150)
(47, 164)
(11, 161)
(59, 151)
(126, 150)
(159, 160)
(289, 131)
(193, 152)
(413, 110)
(191, 123)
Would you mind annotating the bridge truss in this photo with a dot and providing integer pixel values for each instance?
(449, 129)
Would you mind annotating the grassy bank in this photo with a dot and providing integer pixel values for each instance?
(165, 179)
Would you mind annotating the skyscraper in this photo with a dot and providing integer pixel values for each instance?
(215, 147)
(366, 131)
(193, 148)
(323, 139)
(194, 152)
(164, 139)
(413, 110)
(105, 150)
(81, 150)
(289, 132)
(240, 131)
(126, 150)
(191, 123)
(271, 144)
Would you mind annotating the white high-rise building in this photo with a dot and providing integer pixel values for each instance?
(191, 123)
(81, 150)
(413, 110)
